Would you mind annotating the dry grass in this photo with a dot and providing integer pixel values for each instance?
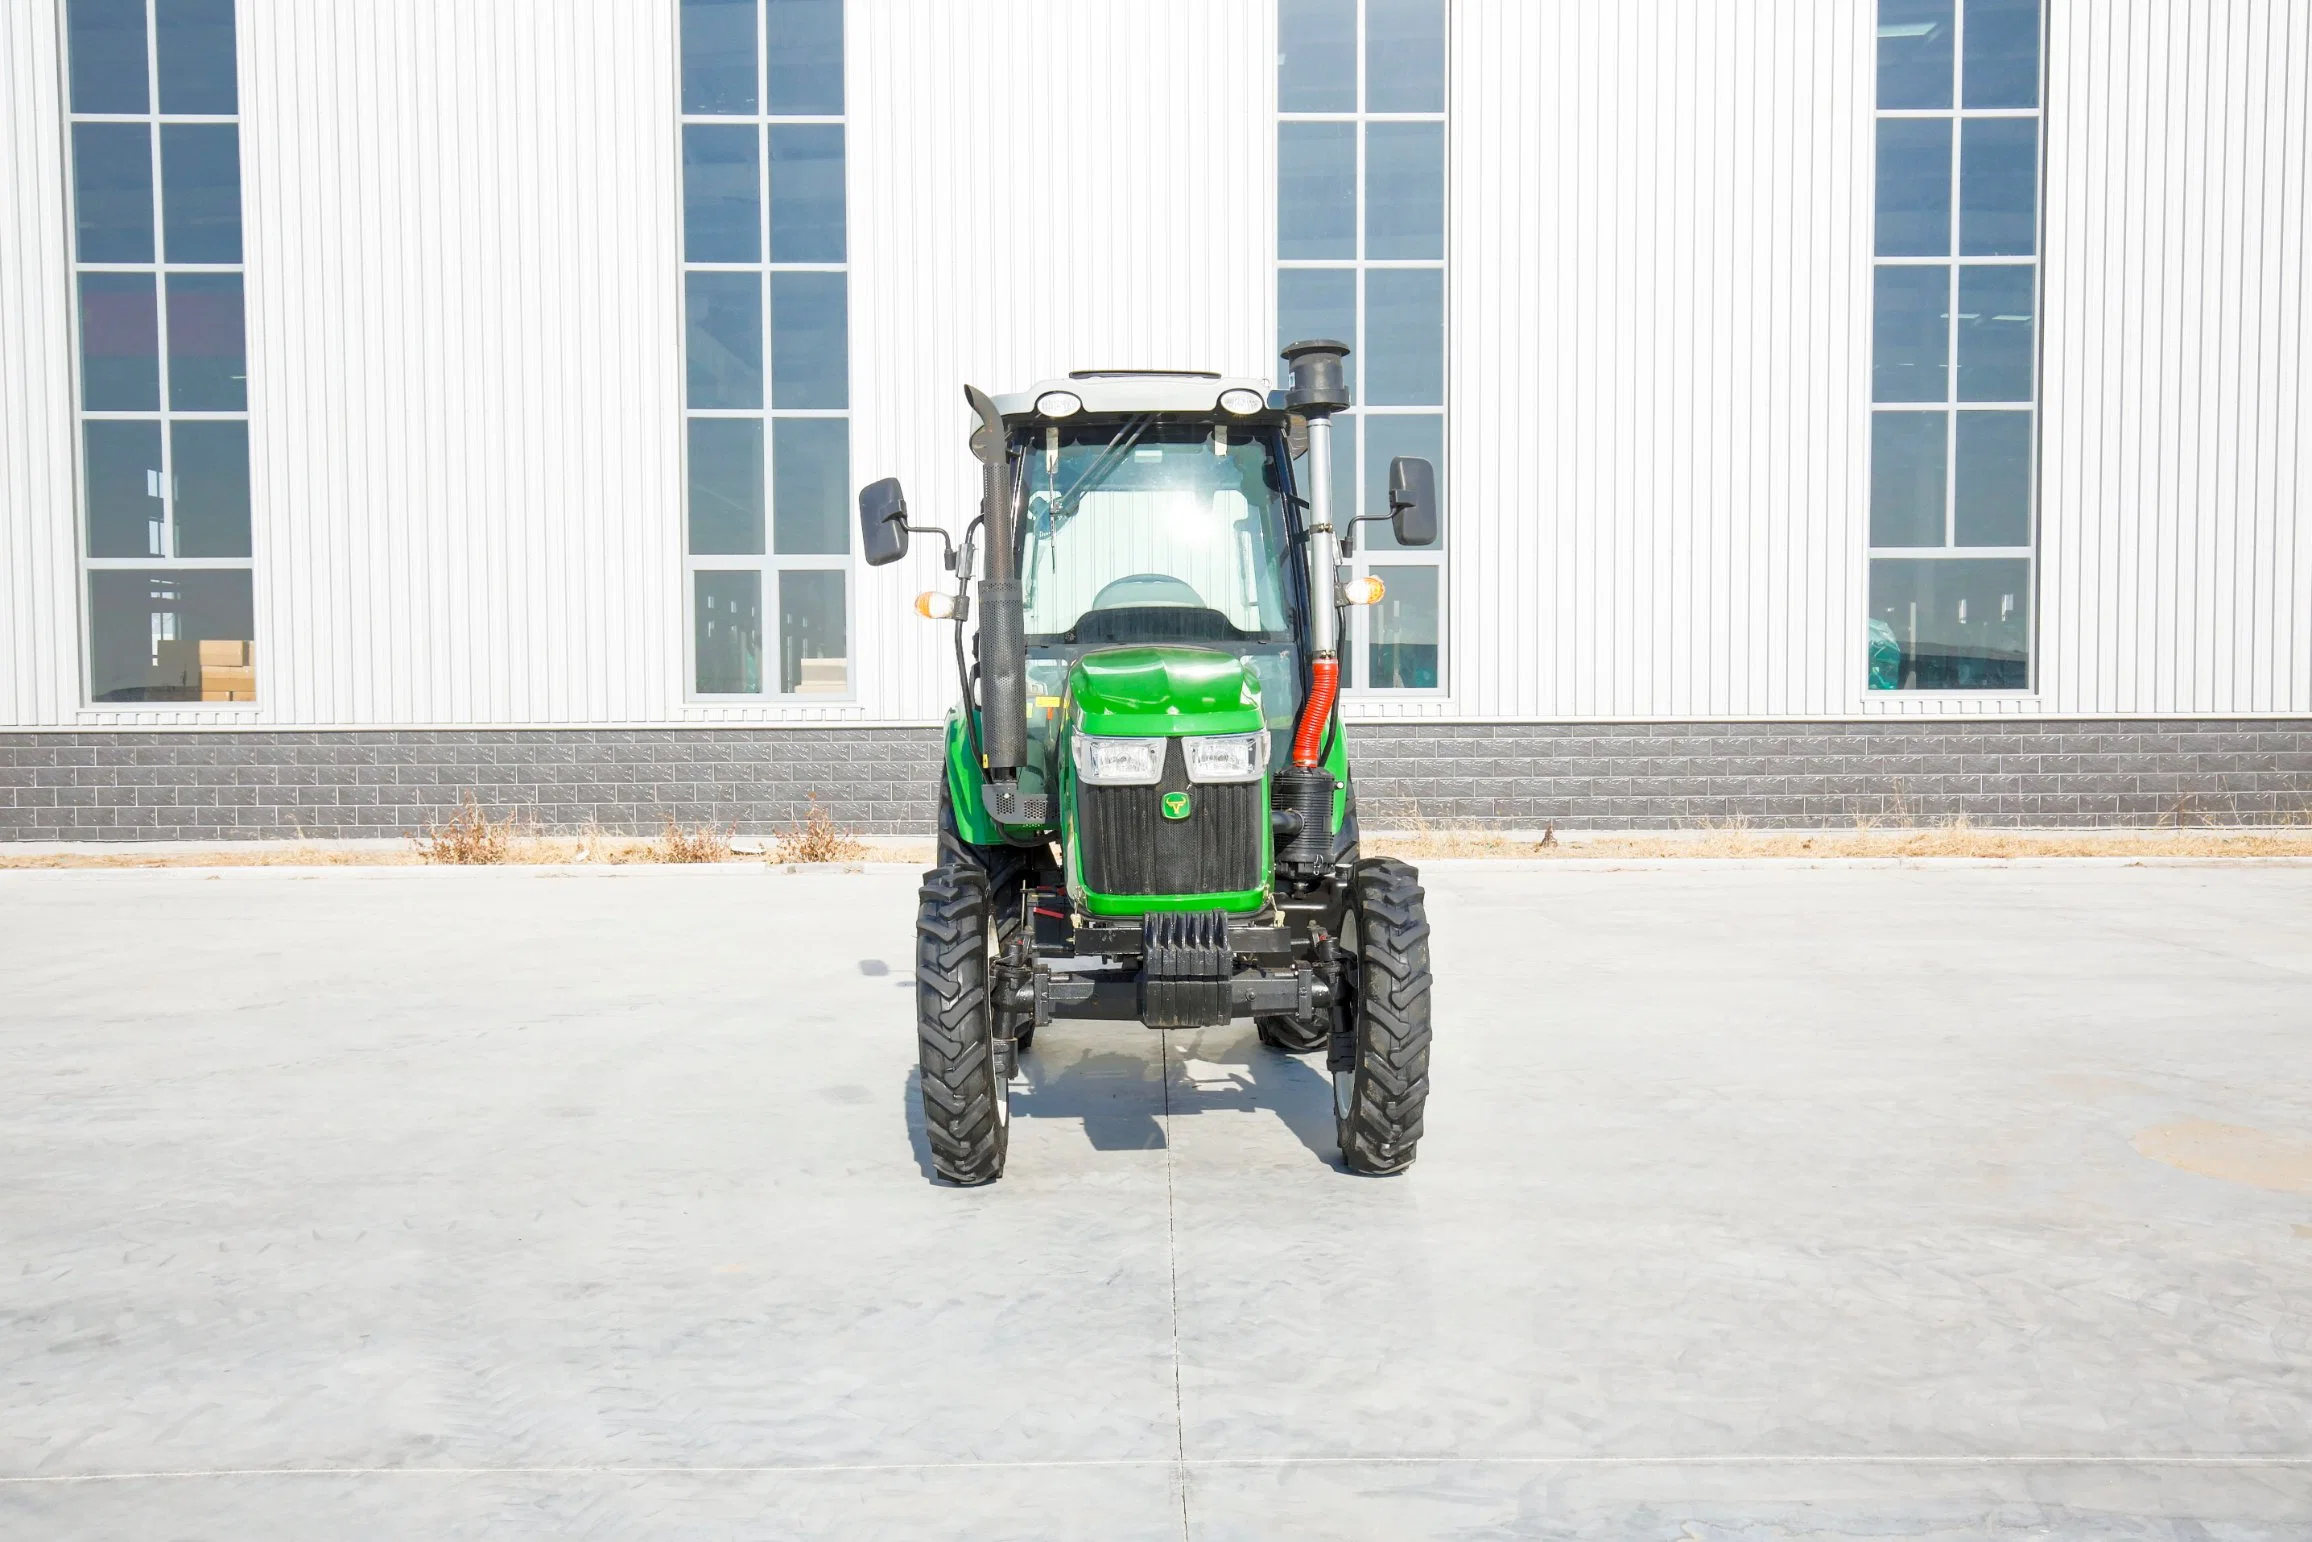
(1957, 839)
(705, 843)
(299, 855)
(471, 838)
(817, 838)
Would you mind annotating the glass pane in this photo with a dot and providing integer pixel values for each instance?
(120, 367)
(724, 338)
(201, 192)
(812, 642)
(1995, 334)
(727, 633)
(1999, 187)
(2002, 53)
(1914, 187)
(211, 465)
(726, 487)
(106, 41)
(1316, 56)
(112, 191)
(1954, 623)
(1404, 55)
(1914, 54)
(811, 486)
(805, 52)
(208, 348)
(171, 636)
(1994, 491)
(1911, 335)
(125, 507)
(196, 57)
(807, 192)
(810, 340)
(1316, 190)
(1405, 333)
(1405, 190)
(1403, 652)
(722, 191)
(1908, 452)
(718, 56)
(1387, 436)
(1316, 303)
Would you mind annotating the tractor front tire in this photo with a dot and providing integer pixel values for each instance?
(1293, 1035)
(1380, 1042)
(966, 1096)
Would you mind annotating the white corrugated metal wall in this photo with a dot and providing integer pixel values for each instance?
(462, 222)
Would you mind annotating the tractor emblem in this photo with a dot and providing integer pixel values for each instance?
(1176, 805)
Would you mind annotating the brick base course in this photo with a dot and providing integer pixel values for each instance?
(392, 782)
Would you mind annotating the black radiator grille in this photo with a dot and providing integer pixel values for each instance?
(1129, 847)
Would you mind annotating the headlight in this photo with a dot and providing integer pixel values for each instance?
(1241, 402)
(1059, 404)
(1102, 762)
(1227, 757)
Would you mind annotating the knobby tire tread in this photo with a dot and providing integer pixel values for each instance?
(1381, 1132)
(962, 1092)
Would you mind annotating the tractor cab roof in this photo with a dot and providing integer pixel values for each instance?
(1114, 392)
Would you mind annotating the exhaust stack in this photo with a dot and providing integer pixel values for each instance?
(1319, 389)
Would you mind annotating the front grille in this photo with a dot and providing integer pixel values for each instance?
(1129, 847)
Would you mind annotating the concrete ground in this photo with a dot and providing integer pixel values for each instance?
(1757, 1202)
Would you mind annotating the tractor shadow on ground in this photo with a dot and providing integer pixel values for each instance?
(1110, 1078)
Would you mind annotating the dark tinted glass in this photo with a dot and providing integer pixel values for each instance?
(718, 56)
(1994, 491)
(1313, 303)
(1995, 334)
(812, 636)
(2002, 53)
(1405, 337)
(105, 40)
(1911, 335)
(723, 332)
(212, 473)
(1959, 623)
(727, 633)
(806, 192)
(196, 57)
(1387, 436)
(1316, 65)
(1907, 456)
(208, 348)
(1403, 654)
(1316, 190)
(112, 192)
(201, 192)
(1404, 190)
(1915, 57)
(120, 368)
(804, 52)
(726, 487)
(179, 636)
(1999, 187)
(1404, 55)
(124, 488)
(722, 210)
(1914, 187)
(811, 486)
(810, 337)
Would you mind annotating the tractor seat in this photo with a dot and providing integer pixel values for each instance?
(1140, 589)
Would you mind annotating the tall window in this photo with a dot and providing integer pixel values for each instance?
(1954, 352)
(163, 358)
(1360, 232)
(766, 340)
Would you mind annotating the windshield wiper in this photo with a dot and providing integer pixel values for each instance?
(1128, 435)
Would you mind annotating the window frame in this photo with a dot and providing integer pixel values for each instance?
(163, 415)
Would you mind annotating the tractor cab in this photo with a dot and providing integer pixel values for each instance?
(1146, 811)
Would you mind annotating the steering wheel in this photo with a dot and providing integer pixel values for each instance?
(1146, 589)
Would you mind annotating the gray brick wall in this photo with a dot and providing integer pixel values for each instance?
(227, 785)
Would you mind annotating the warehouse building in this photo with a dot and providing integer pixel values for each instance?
(1844, 409)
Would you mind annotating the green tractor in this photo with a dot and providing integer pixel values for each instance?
(1146, 813)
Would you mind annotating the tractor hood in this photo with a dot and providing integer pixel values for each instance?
(1155, 691)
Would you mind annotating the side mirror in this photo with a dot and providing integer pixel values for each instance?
(1412, 501)
(882, 522)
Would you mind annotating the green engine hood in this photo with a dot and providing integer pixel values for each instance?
(1159, 690)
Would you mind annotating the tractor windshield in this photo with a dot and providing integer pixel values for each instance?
(1152, 530)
